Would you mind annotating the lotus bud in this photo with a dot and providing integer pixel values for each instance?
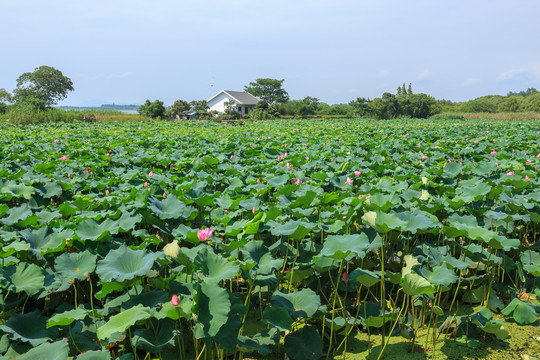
(253, 211)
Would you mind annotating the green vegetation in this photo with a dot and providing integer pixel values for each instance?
(153, 110)
(338, 239)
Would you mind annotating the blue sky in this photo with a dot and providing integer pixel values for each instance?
(128, 51)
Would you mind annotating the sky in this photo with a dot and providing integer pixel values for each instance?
(125, 52)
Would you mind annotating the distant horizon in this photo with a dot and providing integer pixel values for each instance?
(127, 52)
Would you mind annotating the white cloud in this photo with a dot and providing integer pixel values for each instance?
(471, 81)
(424, 75)
(520, 74)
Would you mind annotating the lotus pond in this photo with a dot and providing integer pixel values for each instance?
(310, 238)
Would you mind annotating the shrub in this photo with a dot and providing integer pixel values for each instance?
(448, 116)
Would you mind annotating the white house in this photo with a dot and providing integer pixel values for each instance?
(245, 102)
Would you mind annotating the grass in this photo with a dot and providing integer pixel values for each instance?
(504, 116)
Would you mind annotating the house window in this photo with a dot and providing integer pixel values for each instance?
(247, 110)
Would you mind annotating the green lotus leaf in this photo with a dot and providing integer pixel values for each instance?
(374, 315)
(303, 303)
(414, 284)
(67, 317)
(530, 261)
(496, 327)
(41, 240)
(340, 246)
(23, 277)
(215, 268)
(16, 190)
(439, 275)
(296, 229)
(305, 344)
(75, 265)
(49, 190)
(125, 264)
(58, 350)
(524, 313)
(257, 253)
(213, 306)
(154, 343)
(452, 170)
(170, 208)
(120, 322)
(29, 328)
(89, 229)
(279, 180)
(128, 220)
(383, 222)
(277, 317)
(414, 221)
(365, 277)
(17, 214)
(95, 355)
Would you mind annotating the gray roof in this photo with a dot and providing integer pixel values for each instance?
(245, 98)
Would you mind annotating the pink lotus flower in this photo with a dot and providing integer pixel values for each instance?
(527, 178)
(107, 192)
(69, 176)
(298, 181)
(345, 276)
(493, 152)
(476, 142)
(357, 173)
(424, 157)
(164, 195)
(232, 157)
(529, 161)
(538, 156)
(348, 181)
(285, 155)
(497, 164)
(87, 170)
(204, 234)
(288, 166)
(307, 158)
(146, 184)
(175, 301)
(150, 174)
(56, 140)
(510, 173)
(64, 158)
(361, 196)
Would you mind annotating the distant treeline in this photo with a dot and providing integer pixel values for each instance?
(130, 107)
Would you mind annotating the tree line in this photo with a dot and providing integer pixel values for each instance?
(45, 86)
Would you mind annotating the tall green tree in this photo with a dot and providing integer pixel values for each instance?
(5, 99)
(45, 83)
(199, 106)
(178, 108)
(269, 90)
(153, 109)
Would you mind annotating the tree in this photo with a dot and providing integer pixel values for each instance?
(360, 106)
(178, 108)
(5, 98)
(46, 84)
(231, 111)
(152, 109)
(511, 104)
(269, 90)
(200, 106)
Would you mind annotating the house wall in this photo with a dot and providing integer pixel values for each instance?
(218, 103)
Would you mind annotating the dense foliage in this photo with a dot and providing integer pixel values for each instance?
(282, 236)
